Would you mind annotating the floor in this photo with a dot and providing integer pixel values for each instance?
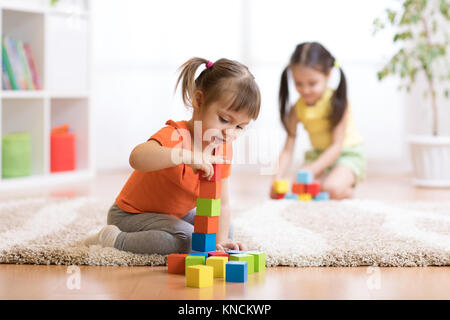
(92, 282)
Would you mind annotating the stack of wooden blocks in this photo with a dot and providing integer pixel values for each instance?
(303, 189)
(204, 264)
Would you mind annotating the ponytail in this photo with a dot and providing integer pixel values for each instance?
(283, 97)
(187, 78)
(220, 77)
(339, 100)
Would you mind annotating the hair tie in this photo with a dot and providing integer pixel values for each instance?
(209, 64)
(336, 64)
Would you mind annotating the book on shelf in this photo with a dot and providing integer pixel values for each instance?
(19, 70)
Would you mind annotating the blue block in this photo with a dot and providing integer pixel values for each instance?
(235, 252)
(236, 271)
(322, 196)
(292, 196)
(304, 176)
(205, 254)
(203, 242)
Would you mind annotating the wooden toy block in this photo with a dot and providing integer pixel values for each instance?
(259, 260)
(199, 276)
(218, 254)
(176, 263)
(281, 186)
(203, 241)
(244, 257)
(210, 189)
(236, 271)
(235, 252)
(203, 224)
(193, 261)
(208, 207)
(217, 176)
(202, 254)
(292, 196)
(279, 196)
(218, 263)
(313, 188)
(298, 188)
(305, 197)
(322, 196)
(304, 177)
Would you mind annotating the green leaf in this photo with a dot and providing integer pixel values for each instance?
(403, 36)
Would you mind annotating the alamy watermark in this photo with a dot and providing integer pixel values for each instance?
(252, 147)
(73, 282)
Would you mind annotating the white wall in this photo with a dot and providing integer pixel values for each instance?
(138, 45)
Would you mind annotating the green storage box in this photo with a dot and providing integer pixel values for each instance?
(16, 155)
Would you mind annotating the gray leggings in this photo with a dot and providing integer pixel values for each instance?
(153, 232)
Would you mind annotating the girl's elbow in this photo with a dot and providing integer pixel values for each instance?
(132, 159)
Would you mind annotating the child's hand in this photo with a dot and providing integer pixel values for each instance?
(273, 194)
(204, 162)
(231, 245)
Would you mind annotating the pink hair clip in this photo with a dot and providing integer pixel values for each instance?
(209, 64)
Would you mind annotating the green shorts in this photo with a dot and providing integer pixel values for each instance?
(352, 157)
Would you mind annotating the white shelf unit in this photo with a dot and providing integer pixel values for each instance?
(60, 40)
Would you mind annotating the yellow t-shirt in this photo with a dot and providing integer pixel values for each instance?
(316, 121)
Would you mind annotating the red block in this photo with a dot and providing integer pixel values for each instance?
(176, 263)
(279, 196)
(218, 254)
(298, 188)
(313, 188)
(204, 224)
(210, 189)
(216, 176)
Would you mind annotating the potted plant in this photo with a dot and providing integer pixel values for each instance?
(421, 34)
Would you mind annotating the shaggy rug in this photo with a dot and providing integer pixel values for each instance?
(332, 233)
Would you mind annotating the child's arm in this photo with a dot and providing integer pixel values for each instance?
(151, 156)
(329, 156)
(222, 239)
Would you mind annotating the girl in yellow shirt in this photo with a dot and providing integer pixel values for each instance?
(337, 158)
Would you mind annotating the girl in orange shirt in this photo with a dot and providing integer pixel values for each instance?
(155, 210)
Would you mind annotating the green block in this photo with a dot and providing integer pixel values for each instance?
(259, 260)
(208, 207)
(16, 155)
(244, 257)
(193, 261)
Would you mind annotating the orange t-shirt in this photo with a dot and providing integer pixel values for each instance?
(173, 190)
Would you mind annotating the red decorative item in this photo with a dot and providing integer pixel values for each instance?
(217, 176)
(62, 149)
(298, 188)
(313, 188)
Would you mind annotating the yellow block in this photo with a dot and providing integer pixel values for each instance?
(218, 263)
(199, 276)
(281, 186)
(304, 197)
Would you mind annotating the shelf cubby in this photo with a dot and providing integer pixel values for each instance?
(73, 112)
(27, 115)
(59, 37)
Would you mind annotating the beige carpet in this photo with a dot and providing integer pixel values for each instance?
(344, 233)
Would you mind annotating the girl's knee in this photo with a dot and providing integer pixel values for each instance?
(336, 191)
(184, 238)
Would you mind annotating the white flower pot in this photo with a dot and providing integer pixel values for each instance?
(430, 160)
